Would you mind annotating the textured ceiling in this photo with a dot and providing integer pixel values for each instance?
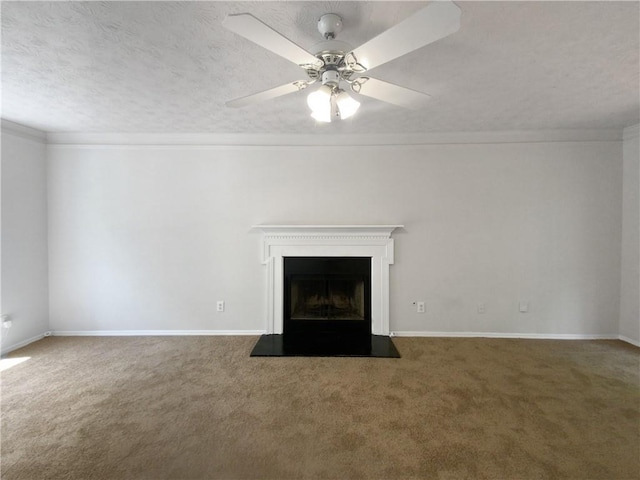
(170, 66)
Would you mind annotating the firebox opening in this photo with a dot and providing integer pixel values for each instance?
(319, 297)
(327, 295)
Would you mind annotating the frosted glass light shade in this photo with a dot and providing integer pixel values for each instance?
(319, 102)
(346, 105)
(322, 116)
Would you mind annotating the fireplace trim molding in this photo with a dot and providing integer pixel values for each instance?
(279, 241)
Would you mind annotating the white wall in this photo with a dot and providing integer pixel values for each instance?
(24, 292)
(148, 238)
(630, 271)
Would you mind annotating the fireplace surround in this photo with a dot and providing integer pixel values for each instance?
(373, 242)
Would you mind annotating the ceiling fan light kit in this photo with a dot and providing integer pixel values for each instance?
(327, 103)
(330, 101)
(333, 62)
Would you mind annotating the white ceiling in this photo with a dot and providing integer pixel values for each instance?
(170, 66)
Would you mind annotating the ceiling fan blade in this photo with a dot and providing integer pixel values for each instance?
(268, 94)
(438, 20)
(389, 92)
(249, 27)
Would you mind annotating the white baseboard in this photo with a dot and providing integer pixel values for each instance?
(629, 340)
(143, 333)
(151, 333)
(24, 343)
(540, 336)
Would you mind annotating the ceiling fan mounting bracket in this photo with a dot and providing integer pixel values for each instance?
(301, 84)
(352, 64)
(329, 25)
(313, 73)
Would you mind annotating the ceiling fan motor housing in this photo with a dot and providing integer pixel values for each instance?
(331, 78)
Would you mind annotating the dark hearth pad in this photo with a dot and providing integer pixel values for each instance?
(330, 345)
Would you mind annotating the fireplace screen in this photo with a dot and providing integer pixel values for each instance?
(327, 297)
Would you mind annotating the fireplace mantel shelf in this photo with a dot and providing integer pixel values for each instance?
(373, 241)
(328, 230)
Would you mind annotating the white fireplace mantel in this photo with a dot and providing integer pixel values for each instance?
(373, 241)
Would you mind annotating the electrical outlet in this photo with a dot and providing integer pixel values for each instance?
(220, 306)
(524, 307)
(482, 308)
(420, 307)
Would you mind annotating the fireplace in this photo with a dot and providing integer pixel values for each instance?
(327, 289)
(327, 295)
(285, 241)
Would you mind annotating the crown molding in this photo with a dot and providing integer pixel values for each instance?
(205, 140)
(23, 131)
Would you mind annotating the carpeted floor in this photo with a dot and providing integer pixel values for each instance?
(201, 408)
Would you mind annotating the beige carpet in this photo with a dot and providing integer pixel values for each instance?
(200, 408)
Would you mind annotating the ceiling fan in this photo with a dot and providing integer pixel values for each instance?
(334, 63)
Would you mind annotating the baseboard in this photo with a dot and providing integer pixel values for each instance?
(142, 333)
(24, 343)
(151, 333)
(540, 336)
(629, 340)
